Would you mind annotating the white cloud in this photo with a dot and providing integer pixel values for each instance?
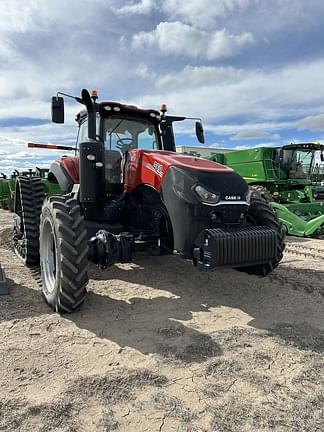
(198, 77)
(290, 92)
(312, 123)
(267, 127)
(249, 146)
(182, 39)
(204, 12)
(254, 135)
(199, 13)
(141, 8)
(17, 156)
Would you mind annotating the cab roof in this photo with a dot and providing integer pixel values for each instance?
(107, 108)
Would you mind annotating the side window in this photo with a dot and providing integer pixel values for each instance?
(83, 133)
(147, 139)
(83, 130)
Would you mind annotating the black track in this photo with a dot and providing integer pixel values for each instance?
(28, 203)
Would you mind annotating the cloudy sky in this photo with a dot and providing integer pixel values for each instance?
(252, 69)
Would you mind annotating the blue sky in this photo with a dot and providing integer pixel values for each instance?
(252, 69)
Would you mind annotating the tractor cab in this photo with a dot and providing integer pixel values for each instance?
(121, 128)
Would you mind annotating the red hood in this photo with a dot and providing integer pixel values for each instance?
(185, 161)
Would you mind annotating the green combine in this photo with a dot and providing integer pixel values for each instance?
(7, 190)
(290, 177)
(8, 185)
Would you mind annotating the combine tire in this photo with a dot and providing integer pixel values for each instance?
(260, 213)
(63, 253)
(29, 197)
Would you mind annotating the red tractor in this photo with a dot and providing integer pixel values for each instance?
(127, 191)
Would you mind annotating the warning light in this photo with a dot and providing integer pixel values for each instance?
(164, 108)
(94, 95)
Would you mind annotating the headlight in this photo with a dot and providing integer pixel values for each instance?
(205, 195)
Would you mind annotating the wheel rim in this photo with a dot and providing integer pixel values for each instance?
(48, 257)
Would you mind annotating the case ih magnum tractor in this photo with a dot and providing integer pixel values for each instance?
(127, 191)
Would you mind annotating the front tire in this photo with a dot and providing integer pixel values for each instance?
(63, 254)
(261, 214)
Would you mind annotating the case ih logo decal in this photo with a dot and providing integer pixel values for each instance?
(158, 168)
(232, 198)
(155, 167)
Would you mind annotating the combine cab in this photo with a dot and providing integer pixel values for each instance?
(290, 177)
(127, 190)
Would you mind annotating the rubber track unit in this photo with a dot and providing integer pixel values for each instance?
(72, 266)
(30, 196)
(261, 213)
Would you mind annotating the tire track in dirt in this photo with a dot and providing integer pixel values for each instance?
(299, 278)
(306, 251)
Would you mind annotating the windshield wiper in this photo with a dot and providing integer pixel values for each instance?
(118, 124)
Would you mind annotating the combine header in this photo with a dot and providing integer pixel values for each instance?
(127, 190)
(290, 177)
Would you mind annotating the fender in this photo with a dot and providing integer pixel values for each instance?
(65, 172)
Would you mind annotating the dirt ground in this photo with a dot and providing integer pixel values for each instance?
(158, 346)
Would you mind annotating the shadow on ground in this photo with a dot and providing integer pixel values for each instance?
(163, 294)
(152, 324)
(21, 302)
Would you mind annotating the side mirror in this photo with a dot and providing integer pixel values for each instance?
(322, 157)
(57, 109)
(200, 132)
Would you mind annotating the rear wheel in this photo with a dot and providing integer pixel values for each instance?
(63, 253)
(29, 197)
(261, 213)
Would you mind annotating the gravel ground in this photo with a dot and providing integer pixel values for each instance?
(158, 346)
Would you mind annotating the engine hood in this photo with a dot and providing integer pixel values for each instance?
(185, 161)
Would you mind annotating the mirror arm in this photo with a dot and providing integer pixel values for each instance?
(70, 96)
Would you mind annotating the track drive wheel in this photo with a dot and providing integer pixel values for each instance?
(29, 197)
(261, 213)
(63, 253)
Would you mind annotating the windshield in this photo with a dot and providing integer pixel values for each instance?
(297, 163)
(124, 134)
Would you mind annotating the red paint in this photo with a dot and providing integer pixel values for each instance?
(150, 167)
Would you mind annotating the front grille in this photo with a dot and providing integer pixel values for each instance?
(235, 247)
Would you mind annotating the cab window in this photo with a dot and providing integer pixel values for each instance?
(125, 134)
